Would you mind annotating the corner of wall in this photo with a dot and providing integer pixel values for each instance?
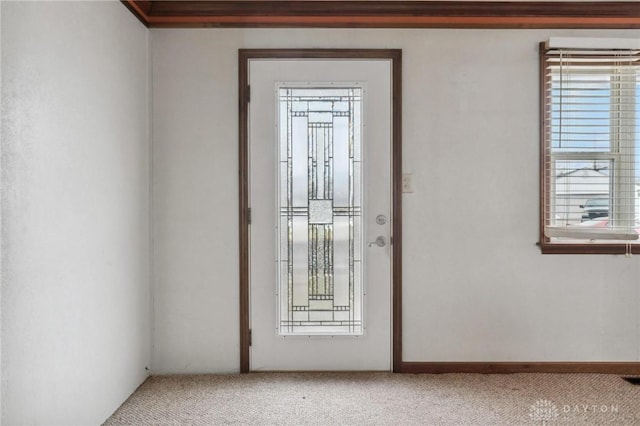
(1, 226)
(150, 205)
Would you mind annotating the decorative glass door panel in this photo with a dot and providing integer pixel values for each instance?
(319, 215)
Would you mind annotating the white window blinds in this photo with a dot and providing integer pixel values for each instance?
(590, 137)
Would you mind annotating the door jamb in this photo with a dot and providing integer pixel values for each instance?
(395, 55)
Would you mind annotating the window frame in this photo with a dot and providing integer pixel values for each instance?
(546, 183)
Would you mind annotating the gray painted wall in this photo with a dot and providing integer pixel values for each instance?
(75, 210)
(476, 287)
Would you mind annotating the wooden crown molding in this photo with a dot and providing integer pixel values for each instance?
(387, 14)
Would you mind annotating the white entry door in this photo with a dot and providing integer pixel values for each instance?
(320, 133)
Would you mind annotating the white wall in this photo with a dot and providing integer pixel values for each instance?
(476, 288)
(75, 210)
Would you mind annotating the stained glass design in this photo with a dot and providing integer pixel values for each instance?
(320, 245)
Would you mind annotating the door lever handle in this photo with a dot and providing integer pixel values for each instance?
(380, 242)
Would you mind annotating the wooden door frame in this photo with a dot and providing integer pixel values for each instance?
(395, 56)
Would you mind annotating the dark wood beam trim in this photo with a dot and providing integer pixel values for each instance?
(395, 55)
(145, 5)
(631, 368)
(388, 14)
(395, 8)
(139, 10)
(393, 22)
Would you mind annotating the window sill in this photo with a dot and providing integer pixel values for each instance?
(547, 247)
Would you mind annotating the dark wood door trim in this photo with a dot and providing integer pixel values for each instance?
(395, 55)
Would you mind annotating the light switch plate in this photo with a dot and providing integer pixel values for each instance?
(407, 182)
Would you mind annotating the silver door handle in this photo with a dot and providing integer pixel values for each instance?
(380, 242)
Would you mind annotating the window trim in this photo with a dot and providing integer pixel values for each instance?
(544, 242)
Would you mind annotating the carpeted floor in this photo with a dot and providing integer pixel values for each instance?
(382, 399)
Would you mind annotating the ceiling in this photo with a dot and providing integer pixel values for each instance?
(387, 14)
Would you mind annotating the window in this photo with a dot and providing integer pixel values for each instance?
(590, 177)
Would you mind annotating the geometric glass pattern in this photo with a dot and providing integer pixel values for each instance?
(319, 225)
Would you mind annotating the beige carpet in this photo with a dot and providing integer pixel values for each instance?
(382, 399)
